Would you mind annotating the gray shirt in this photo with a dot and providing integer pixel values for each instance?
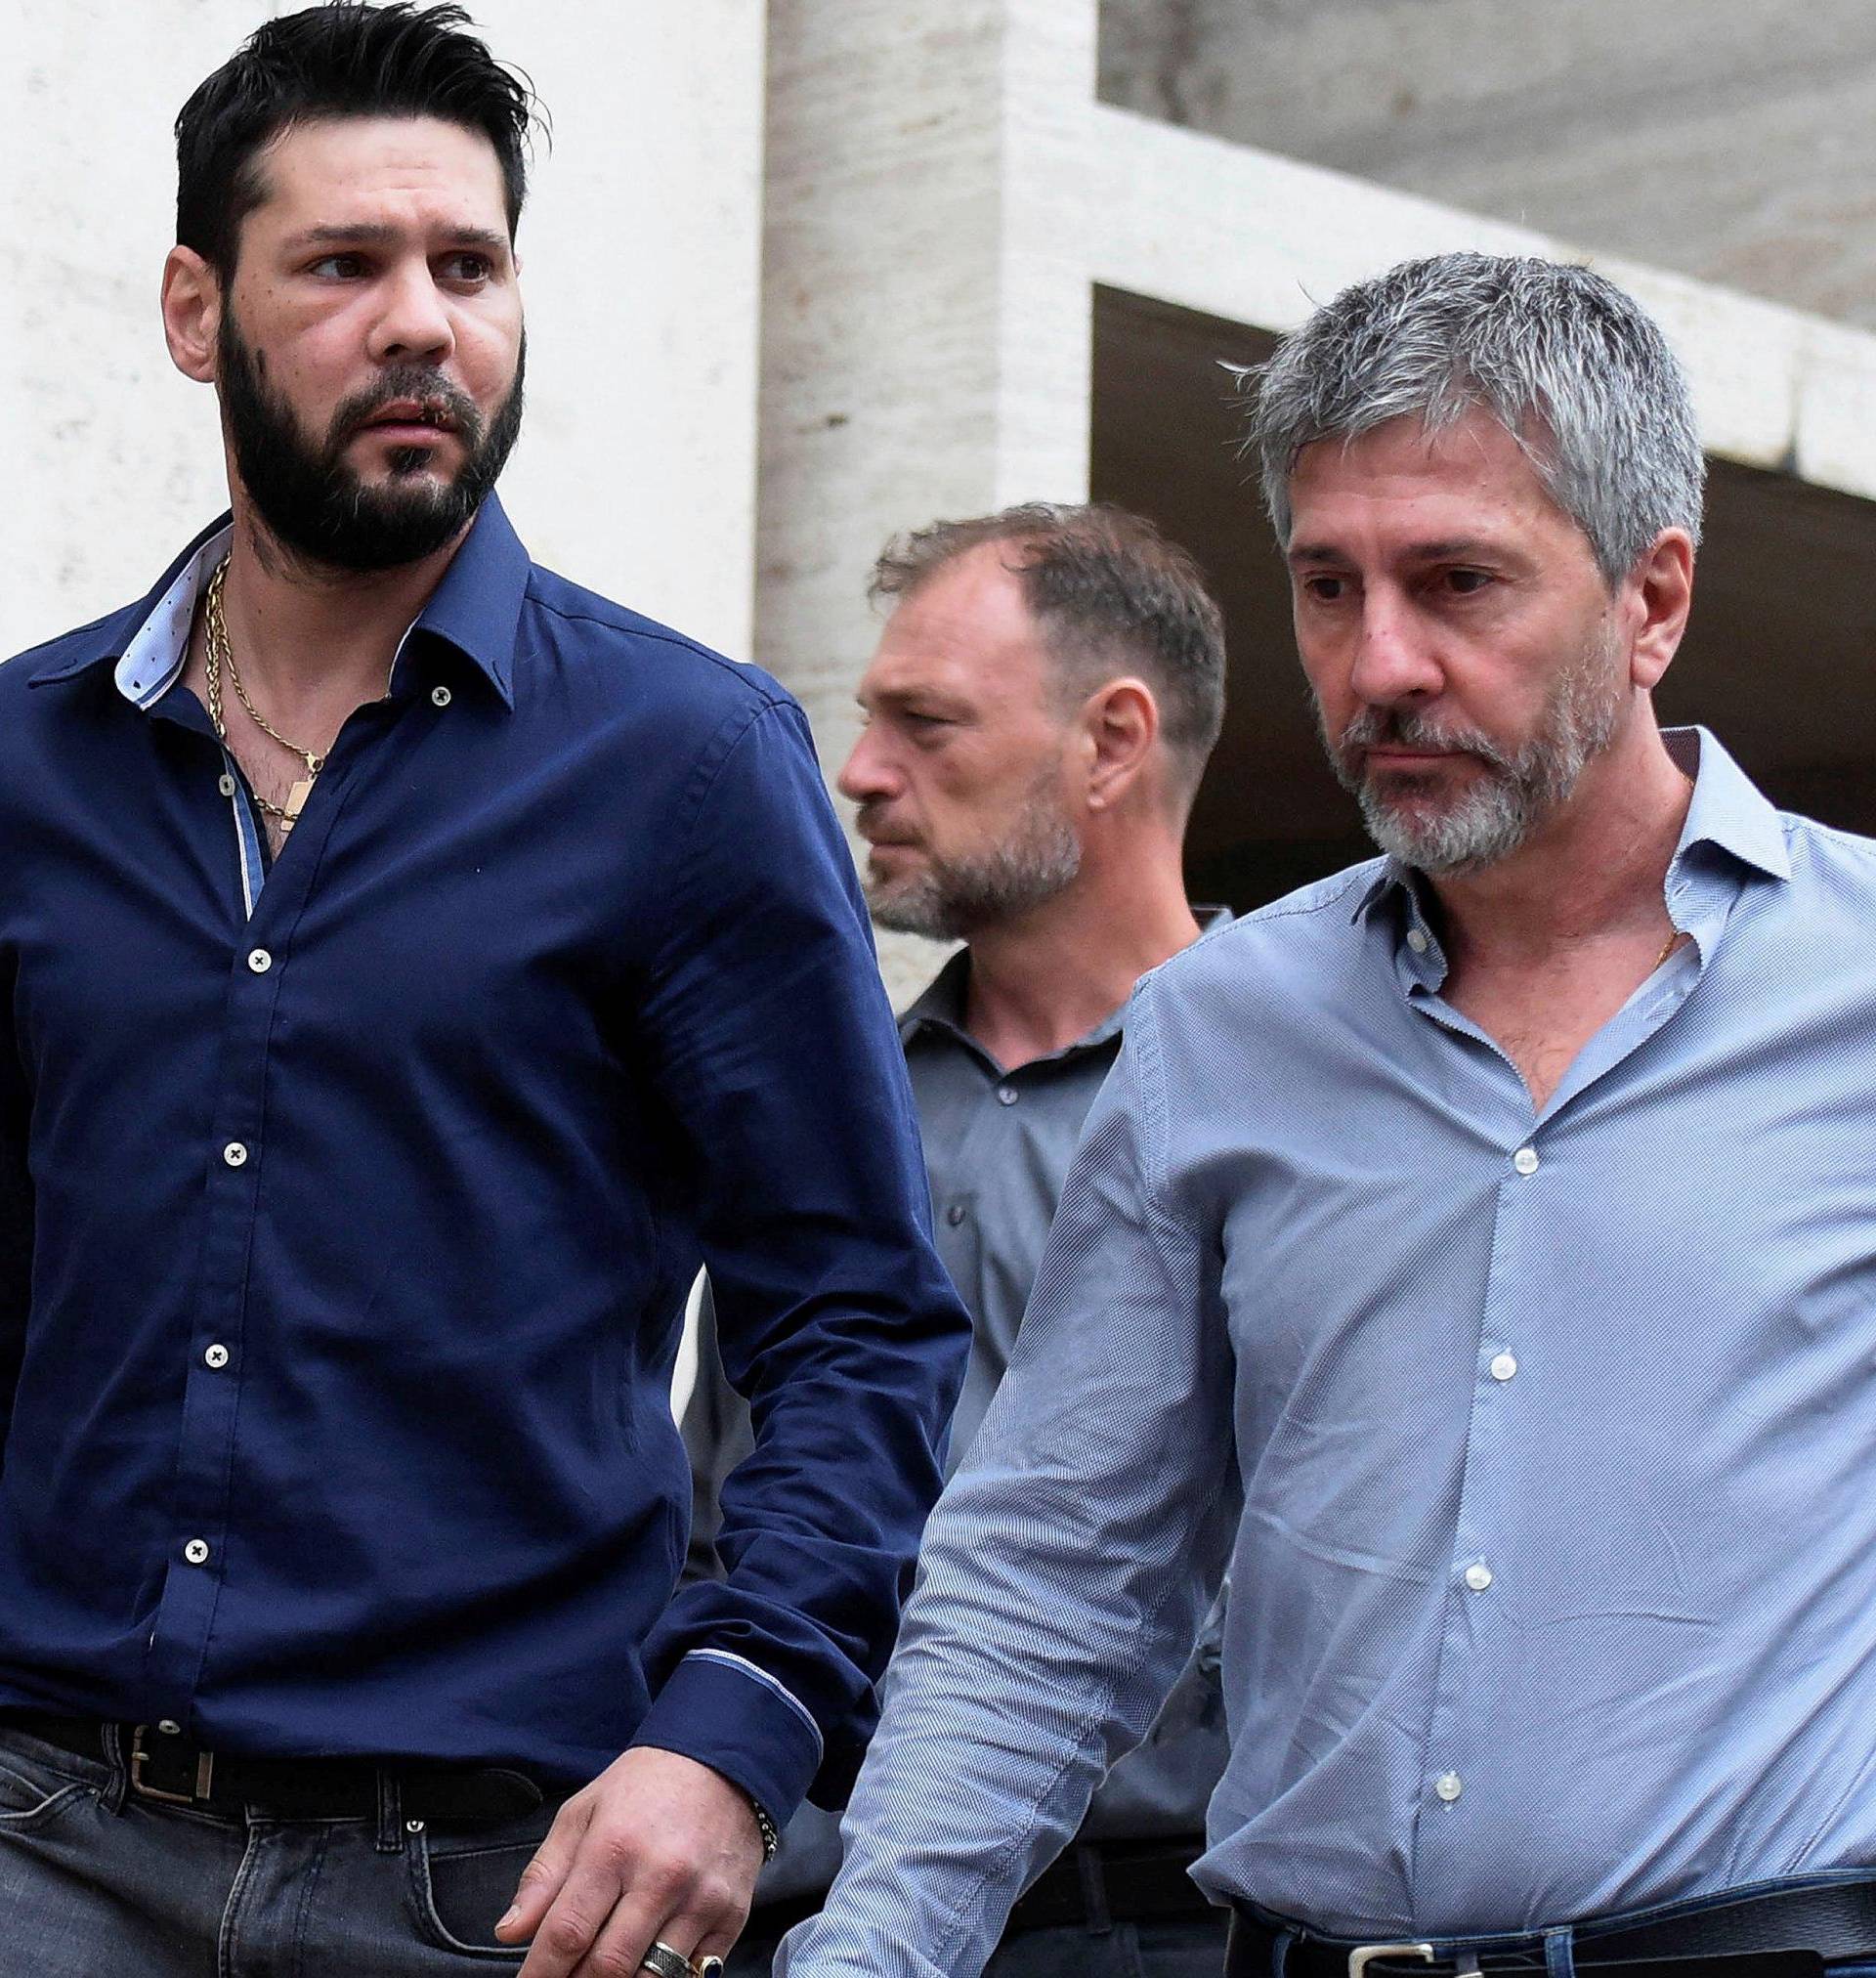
(997, 1146)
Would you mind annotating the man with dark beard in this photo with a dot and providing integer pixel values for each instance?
(415, 966)
(1039, 714)
(1475, 1251)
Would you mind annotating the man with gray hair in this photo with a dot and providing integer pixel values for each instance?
(1476, 1250)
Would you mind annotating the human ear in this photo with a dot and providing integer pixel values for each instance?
(1661, 588)
(191, 305)
(1122, 722)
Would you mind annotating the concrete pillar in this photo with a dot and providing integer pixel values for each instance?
(926, 317)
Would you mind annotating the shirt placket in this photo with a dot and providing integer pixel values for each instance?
(236, 1169)
(1473, 1625)
(236, 1164)
(1507, 1417)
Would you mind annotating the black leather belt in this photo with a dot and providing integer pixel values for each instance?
(1099, 1883)
(173, 1771)
(1788, 1931)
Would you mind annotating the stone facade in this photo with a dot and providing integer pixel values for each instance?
(1726, 139)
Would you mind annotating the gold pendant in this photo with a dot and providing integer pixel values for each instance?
(295, 803)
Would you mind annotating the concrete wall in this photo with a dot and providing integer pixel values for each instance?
(1730, 140)
(641, 251)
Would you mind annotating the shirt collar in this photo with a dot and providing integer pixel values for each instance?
(942, 1003)
(941, 1006)
(1727, 811)
(475, 609)
(156, 653)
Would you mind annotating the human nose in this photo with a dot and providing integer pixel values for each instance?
(1395, 658)
(415, 326)
(867, 773)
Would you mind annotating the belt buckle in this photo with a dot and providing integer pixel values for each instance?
(138, 1758)
(1360, 1958)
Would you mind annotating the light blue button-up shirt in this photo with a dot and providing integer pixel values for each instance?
(1542, 1447)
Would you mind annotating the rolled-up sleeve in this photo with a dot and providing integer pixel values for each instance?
(772, 1043)
(1065, 1572)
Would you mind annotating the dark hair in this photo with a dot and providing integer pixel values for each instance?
(337, 60)
(1110, 593)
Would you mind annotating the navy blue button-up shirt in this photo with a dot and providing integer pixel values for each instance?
(347, 1207)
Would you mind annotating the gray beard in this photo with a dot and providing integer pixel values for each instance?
(952, 899)
(1499, 813)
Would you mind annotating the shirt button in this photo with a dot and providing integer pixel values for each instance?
(1416, 940)
(235, 1154)
(1525, 1160)
(441, 696)
(196, 1552)
(1448, 1787)
(1504, 1367)
(227, 784)
(954, 1214)
(259, 960)
(1006, 1094)
(1479, 1576)
(169, 1727)
(216, 1355)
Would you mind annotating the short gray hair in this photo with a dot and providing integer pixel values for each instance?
(1573, 368)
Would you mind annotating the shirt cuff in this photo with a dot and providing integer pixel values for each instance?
(727, 1714)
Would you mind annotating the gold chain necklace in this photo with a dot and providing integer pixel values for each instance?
(218, 656)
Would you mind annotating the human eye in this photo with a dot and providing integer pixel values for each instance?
(337, 266)
(468, 268)
(1463, 581)
(1322, 587)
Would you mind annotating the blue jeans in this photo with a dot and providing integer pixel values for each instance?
(95, 1881)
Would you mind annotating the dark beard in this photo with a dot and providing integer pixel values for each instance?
(317, 506)
(957, 898)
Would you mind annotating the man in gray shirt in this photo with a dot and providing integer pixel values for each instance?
(1039, 710)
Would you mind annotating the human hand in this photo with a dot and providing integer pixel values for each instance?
(657, 1848)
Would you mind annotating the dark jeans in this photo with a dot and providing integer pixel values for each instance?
(1179, 1946)
(98, 1883)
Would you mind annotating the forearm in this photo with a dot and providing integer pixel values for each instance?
(771, 1041)
(1065, 1576)
(1024, 1671)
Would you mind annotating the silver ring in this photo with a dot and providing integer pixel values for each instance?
(667, 1962)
